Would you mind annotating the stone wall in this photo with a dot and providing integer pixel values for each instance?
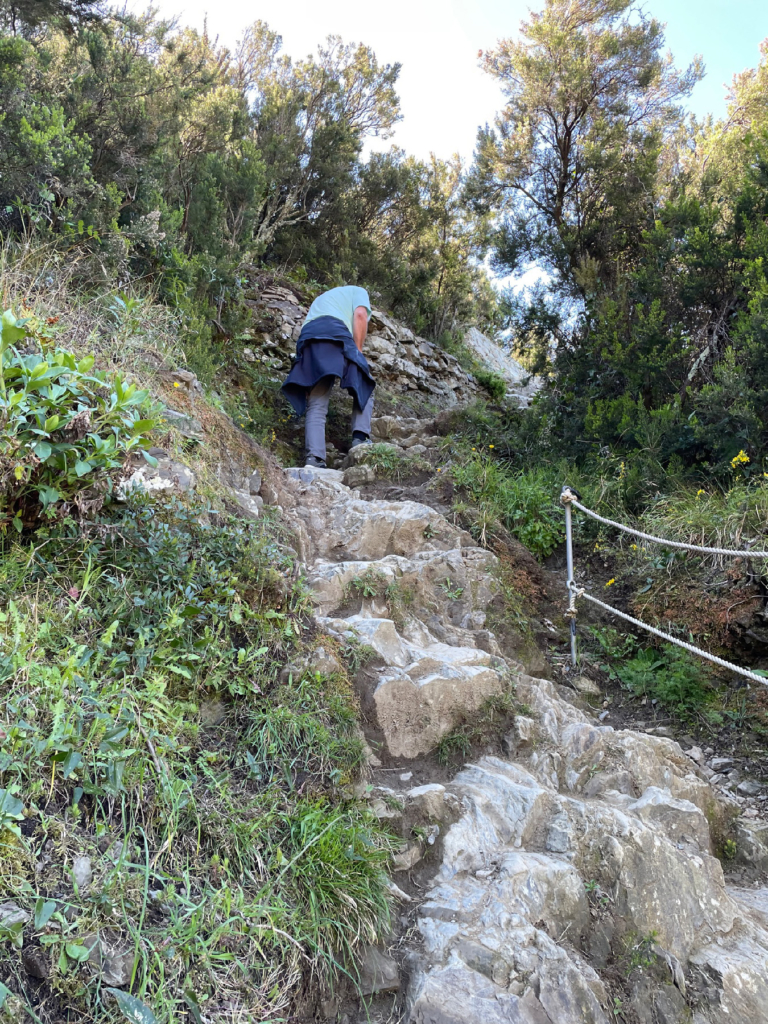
(399, 359)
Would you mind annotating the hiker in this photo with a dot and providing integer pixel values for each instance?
(331, 345)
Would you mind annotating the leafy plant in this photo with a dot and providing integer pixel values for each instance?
(452, 591)
(65, 431)
(11, 811)
(525, 503)
(613, 645)
(370, 583)
(729, 849)
(493, 383)
(132, 1008)
(670, 675)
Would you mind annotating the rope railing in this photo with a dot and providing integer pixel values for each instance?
(568, 499)
(680, 545)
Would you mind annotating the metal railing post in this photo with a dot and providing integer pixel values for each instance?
(569, 498)
(566, 498)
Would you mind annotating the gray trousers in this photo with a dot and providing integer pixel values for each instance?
(317, 412)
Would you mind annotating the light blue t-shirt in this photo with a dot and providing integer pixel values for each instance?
(341, 303)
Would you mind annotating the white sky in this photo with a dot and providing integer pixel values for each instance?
(444, 95)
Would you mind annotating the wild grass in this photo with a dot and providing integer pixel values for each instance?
(145, 726)
(526, 504)
(123, 326)
(736, 518)
(391, 462)
(481, 727)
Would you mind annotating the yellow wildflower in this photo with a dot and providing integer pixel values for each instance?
(699, 494)
(739, 460)
(490, 446)
(439, 471)
(610, 583)
(633, 546)
(176, 384)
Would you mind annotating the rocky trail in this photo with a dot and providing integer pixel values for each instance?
(574, 880)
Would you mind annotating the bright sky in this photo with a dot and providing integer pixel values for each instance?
(444, 95)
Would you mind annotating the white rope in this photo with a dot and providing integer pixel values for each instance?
(662, 540)
(578, 592)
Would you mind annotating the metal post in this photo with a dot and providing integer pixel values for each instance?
(565, 498)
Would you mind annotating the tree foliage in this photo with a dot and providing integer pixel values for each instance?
(171, 158)
(571, 161)
(650, 317)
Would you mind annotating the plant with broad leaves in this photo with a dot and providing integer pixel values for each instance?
(11, 811)
(66, 431)
(132, 1008)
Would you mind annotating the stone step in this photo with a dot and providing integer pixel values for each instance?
(555, 862)
(456, 584)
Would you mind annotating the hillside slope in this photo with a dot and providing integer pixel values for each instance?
(237, 703)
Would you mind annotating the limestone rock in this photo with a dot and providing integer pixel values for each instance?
(188, 426)
(167, 475)
(11, 914)
(407, 858)
(254, 482)
(324, 662)
(522, 386)
(752, 845)
(579, 809)
(187, 379)
(112, 956)
(749, 788)
(428, 801)
(378, 972)
(251, 504)
(586, 685)
(357, 476)
(679, 819)
(521, 736)
(82, 871)
(418, 704)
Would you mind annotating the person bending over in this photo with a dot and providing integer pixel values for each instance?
(331, 345)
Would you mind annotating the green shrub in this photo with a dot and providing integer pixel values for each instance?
(670, 675)
(525, 503)
(493, 383)
(66, 431)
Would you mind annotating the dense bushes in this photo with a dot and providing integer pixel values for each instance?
(157, 154)
(67, 430)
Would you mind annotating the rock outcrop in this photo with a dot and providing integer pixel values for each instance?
(399, 359)
(521, 386)
(578, 880)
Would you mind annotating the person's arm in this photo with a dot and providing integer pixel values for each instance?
(360, 326)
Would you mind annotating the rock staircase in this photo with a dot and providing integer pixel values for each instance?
(578, 882)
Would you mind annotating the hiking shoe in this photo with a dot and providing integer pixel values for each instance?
(361, 439)
(312, 462)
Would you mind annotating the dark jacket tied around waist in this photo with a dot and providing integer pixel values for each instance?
(326, 349)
